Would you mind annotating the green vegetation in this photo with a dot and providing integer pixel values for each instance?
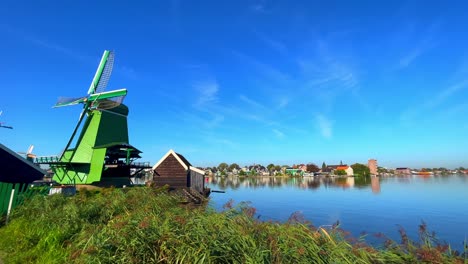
(145, 225)
(340, 172)
(234, 166)
(360, 170)
(223, 166)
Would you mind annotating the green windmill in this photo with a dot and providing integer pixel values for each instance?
(102, 154)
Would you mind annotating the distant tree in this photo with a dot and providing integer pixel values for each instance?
(233, 166)
(340, 172)
(311, 167)
(223, 166)
(461, 168)
(271, 168)
(277, 167)
(382, 170)
(242, 173)
(341, 162)
(324, 166)
(360, 169)
(253, 172)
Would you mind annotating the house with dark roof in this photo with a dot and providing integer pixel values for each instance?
(175, 170)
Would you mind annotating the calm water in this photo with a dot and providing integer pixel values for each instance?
(371, 205)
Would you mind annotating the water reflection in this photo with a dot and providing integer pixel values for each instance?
(375, 183)
(311, 183)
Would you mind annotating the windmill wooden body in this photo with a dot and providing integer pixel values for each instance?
(102, 153)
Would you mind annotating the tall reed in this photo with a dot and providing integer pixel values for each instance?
(146, 225)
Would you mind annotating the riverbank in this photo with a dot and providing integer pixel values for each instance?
(139, 225)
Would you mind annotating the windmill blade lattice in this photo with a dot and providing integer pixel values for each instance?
(64, 101)
(106, 73)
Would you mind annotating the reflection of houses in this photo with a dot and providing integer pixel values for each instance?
(402, 171)
(174, 170)
(349, 171)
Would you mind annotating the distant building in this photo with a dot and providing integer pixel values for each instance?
(349, 171)
(294, 172)
(372, 164)
(402, 171)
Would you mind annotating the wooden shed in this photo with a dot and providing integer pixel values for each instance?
(174, 170)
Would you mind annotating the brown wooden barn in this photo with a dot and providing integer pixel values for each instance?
(174, 170)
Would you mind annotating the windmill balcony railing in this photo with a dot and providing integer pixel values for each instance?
(47, 159)
(141, 165)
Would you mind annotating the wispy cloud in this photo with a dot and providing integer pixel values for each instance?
(425, 43)
(324, 125)
(127, 72)
(265, 70)
(258, 6)
(207, 92)
(44, 43)
(278, 133)
(274, 44)
(433, 101)
(283, 102)
(251, 102)
(328, 75)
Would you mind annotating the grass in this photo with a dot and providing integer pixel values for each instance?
(145, 225)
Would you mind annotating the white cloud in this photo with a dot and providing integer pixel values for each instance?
(325, 126)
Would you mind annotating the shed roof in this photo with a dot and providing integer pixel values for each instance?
(181, 159)
(16, 169)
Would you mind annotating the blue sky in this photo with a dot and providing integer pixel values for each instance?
(247, 81)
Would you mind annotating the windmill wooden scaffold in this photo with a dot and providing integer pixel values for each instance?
(102, 154)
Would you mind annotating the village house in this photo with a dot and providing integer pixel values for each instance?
(402, 171)
(348, 169)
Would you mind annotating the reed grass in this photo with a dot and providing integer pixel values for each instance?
(146, 225)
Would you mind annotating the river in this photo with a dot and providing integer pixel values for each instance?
(361, 205)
